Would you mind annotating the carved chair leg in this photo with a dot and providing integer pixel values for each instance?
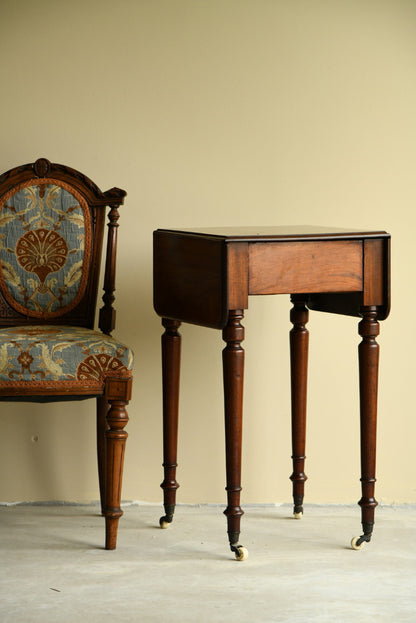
(233, 374)
(368, 355)
(118, 393)
(171, 361)
(102, 409)
(299, 341)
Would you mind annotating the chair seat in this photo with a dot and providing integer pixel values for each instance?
(73, 358)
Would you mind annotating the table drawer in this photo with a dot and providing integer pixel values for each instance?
(302, 267)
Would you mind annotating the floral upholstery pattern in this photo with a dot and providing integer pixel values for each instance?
(45, 234)
(73, 356)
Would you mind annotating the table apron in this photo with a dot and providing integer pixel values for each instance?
(302, 267)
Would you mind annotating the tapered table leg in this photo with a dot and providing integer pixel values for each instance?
(368, 355)
(233, 375)
(171, 359)
(299, 341)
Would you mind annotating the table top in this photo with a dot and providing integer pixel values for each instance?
(284, 232)
(200, 274)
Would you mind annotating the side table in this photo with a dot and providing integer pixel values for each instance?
(205, 277)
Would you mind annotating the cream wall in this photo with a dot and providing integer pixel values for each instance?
(224, 112)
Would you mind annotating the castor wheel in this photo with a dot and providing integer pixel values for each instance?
(240, 552)
(298, 515)
(355, 544)
(164, 522)
(358, 541)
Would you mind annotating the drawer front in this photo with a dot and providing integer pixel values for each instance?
(302, 267)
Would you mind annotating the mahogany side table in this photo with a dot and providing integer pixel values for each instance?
(205, 277)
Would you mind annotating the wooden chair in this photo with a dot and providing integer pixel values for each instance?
(51, 235)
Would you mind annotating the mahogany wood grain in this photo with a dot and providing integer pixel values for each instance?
(107, 320)
(376, 284)
(233, 374)
(200, 275)
(299, 343)
(102, 426)
(118, 394)
(368, 354)
(278, 233)
(286, 267)
(373, 272)
(237, 271)
(206, 277)
(171, 357)
(189, 279)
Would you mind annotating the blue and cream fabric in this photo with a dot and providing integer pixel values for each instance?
(60, 355)
(45, 241)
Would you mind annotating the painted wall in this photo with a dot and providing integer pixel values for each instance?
(224, 112)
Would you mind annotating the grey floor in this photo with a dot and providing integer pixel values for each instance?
(54, 568)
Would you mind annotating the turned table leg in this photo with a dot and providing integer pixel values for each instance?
(299, 341)
(171, 359)
(233, 375)
(368, 355)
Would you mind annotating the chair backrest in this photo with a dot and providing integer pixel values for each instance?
(51, 234)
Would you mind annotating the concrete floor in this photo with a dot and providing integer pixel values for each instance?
(53, 567)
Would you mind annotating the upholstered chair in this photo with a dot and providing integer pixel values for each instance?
(52, 222)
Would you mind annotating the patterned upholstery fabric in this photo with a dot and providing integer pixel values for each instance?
(58, 356)
(45, 239)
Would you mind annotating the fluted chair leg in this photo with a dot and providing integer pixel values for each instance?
(102, 426)
(118, 395)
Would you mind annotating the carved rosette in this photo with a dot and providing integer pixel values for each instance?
(42, 167)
